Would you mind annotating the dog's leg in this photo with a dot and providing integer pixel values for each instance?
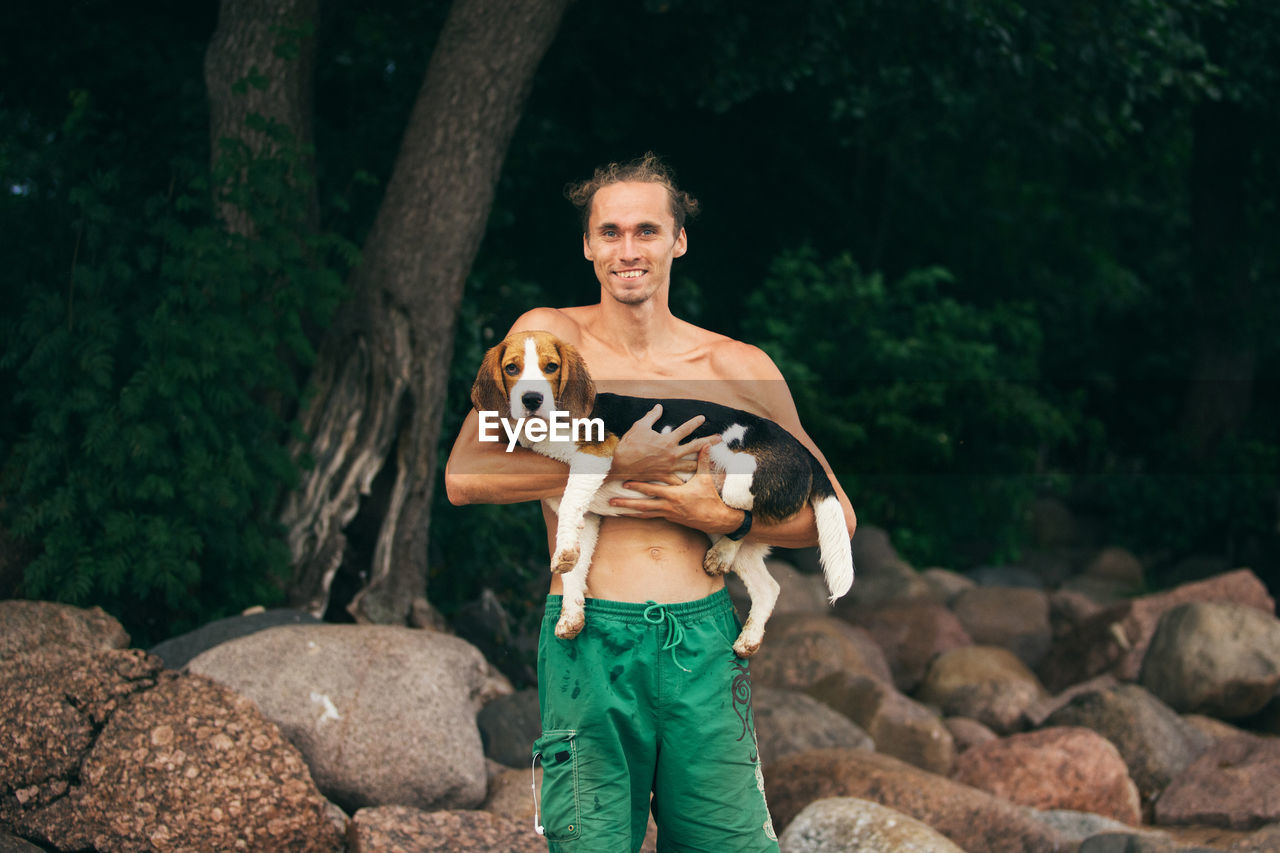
(720, 556)
(586, 475)
(573, 604)
(739, 473)
(763, 590)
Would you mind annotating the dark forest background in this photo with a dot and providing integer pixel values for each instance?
(1002, 249)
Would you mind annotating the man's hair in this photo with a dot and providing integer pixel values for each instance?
(648, 169)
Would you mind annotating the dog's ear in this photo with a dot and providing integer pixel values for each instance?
(489, 393)
(577, 393)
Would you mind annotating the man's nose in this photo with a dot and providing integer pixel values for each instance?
(629, 245)
(531, 399)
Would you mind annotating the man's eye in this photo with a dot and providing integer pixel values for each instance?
(511, 369)
(551, 368)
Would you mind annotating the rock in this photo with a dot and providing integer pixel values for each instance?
(1231, 784)
(1054, 768)
(1127, 842)
(1217, 659)
(29, 625)
(971, 819)
(851, 825)
(509, 725)
(177, 651)
(872, 549)
(1077, 826)
(1118, 565)
(401, 829)
(967, 733)
(511, 796)
(1006, 576)
(382, 714)
(1036, 715)
(799, 593)
(1265, 840)
(788, 722)
(894, 581)
(14, 844)
(946, 584)
(899, 726)
(911, 634)
(1214, 730)
(1155, 743)
(799, 650)
(1013, 618)
(1053, 525)
(1101, 591)
(986, 683)
(188, 765)
(53, 702)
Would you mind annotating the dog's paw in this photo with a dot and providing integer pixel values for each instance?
(570, 625)
(564, 560)
(714, 564)
(745, 647)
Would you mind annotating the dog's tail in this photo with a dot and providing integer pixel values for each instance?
(834, 549)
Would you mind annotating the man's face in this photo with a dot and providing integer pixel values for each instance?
(631, 240)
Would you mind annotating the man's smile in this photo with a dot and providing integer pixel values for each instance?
(630, 273)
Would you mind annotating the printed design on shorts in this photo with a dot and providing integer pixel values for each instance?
(741, 692)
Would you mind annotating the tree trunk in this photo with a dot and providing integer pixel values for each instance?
(261, 61)
(383, 368)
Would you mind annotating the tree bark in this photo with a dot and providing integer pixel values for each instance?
(382, 372)
(272, 42)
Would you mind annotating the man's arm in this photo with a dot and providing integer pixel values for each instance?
(697, 504)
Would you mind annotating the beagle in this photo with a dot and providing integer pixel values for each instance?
(760, 468)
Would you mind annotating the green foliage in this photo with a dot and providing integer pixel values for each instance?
(926, 407)
(153, 380)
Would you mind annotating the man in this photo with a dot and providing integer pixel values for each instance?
(649, 698)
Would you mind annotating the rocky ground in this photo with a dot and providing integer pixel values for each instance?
(1044, 707)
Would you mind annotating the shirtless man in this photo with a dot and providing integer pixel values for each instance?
(650, 697)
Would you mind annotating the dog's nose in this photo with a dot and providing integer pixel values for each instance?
(532, 400)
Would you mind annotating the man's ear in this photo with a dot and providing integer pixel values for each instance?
(586, 248)
(576, 393)
(489, 393)
(681, 246)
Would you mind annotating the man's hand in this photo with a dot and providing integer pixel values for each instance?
(645, 454)
(695, 503)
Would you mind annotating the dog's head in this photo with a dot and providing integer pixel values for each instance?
(530, 374)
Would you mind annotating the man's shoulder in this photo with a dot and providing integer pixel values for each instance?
(740, 360)
(564, 323)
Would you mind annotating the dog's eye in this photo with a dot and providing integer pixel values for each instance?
(551, 368)
(511, 369)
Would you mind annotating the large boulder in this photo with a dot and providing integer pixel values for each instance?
(29, 625)
(787, 722)
(972, 819)
(383, 715)
(1217, 659)
(851, 825)
(53, 703)
(800, 649)
(1115, 641)
(1055, 768)
(911, 634)
(798, 593)
(985, 683)
(899, 726)
(1014, 618)
(1154, 741)
(177, 651)
(1232, 784)
(509, 725)
(187, 765)
(401, 829)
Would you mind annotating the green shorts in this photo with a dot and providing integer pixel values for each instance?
(649, 699)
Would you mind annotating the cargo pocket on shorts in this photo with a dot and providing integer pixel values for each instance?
(557, 750)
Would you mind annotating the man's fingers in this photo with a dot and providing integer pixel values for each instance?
(686, 429)
(650, 417)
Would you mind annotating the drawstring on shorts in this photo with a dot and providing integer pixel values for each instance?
(656, 614)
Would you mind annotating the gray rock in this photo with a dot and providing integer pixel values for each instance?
(29, 625)
(788, 722)
(1222, 660)
(985, 683)
(177, 651)
(799, 593)
(382, 714)
(851, 825)
(872, 549)
(1014, 618)
(397, 829)
(899, 726)
(800, 649)
(509, 725)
